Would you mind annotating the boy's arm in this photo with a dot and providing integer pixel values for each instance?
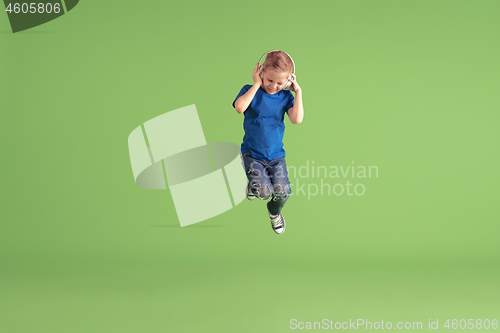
(296, 112)
(242, 103)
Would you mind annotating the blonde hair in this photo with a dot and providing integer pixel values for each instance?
(279, 61)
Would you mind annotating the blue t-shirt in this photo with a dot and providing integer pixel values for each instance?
(263, 124)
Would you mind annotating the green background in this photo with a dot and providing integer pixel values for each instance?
(408, 86)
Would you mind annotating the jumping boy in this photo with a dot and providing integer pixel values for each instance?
(264, 104)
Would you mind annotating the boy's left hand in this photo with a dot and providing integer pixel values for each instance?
(295, 86)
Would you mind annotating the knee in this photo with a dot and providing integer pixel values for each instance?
(281, 192)
(264, 193)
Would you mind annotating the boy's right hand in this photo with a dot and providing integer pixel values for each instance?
(257, 81)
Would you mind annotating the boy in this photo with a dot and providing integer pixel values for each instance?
(264, 105)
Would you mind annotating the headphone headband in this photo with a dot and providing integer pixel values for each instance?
(293, 64)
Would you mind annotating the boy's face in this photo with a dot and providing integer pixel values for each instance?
(274, 81)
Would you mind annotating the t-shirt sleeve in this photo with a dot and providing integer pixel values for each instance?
(291, 101)
(242, 92)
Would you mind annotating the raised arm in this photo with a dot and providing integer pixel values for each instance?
(244, 101)
(296, 112)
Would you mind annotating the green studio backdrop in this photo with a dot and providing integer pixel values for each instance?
(406, 89)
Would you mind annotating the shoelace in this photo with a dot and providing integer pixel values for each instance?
(277, 222)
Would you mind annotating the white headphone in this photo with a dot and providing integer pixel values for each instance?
(288, 83)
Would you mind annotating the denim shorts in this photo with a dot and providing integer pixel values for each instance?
(267, 178)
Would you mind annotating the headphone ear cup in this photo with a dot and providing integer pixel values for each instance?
(261, 73)
(288, 83)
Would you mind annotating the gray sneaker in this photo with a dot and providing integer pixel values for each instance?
(277, 223)
(248, 192)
